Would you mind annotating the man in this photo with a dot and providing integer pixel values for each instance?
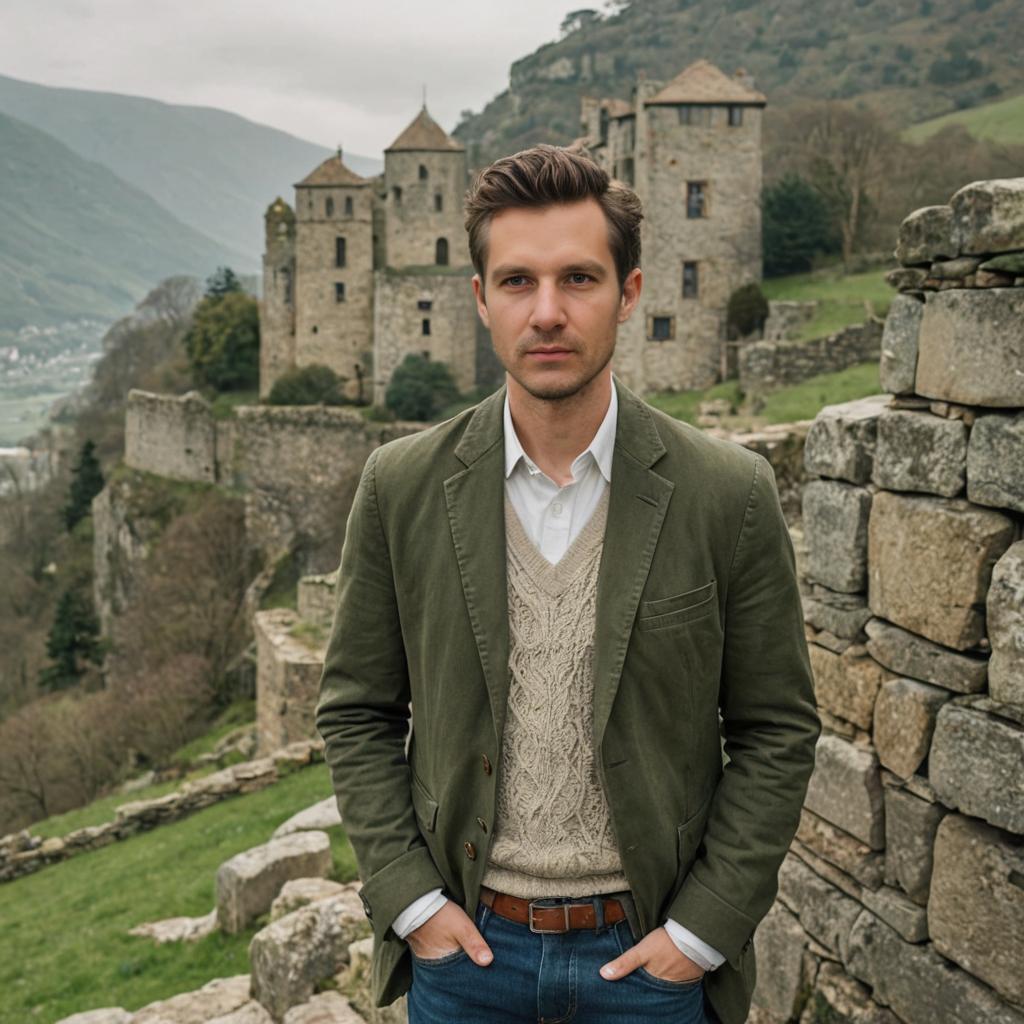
(582, 598)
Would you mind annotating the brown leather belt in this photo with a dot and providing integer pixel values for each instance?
(551, 919)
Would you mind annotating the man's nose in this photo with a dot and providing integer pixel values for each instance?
(548, 311)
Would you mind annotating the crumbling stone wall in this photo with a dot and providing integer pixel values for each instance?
(902, 898)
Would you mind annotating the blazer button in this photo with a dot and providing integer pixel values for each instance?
(482, 823)
(487, 765)
(470, 850)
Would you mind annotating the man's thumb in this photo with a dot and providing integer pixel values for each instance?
(478, 950)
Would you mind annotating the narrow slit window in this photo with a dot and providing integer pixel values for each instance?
(329, 207)
(691, 280)
(441, 252)
(425, 326)
(348, 206)
(339, 251)
(696, 199)
(339, 291)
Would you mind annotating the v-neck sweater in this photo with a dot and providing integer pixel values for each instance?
(552, 829)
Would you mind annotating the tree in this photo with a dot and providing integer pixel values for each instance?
(576, 20)
(222, 282)
(86, 483)
(796, 226)
(747, 310)
(73, 639)
(420, 388)
(223, 343)
(308, 385)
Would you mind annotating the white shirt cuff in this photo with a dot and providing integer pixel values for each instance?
(421, 909)
(696, 949)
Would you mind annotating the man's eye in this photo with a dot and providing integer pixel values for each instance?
(515, 280)
(579, 277)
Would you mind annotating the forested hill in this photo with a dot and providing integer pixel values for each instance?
(910, 59)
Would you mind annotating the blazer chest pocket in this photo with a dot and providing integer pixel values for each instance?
(424, 805)
(671, 611)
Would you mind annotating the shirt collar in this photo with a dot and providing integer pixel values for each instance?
(601, 447)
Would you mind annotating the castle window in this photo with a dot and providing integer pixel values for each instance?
(339, 251)
(425, 325)
(348, 206)
(396, 195)
(438, 202)
(735, 117)
(423, 172)
(661, 328)
(329, 207)
(424, 304)
(339, 291)
(691, 280)
(315, 329)
(696, 199)
(287, 275)
(694, 115)
(441, 252)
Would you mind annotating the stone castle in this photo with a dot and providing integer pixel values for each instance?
(364, 271)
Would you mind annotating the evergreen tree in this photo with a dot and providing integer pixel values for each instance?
(73, 639)
(86, 483)
(797, 226)
(222, 282)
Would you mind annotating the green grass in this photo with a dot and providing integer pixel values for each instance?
(224, 404)
(843, 299)
(240, 712)
(64, 943)
(683, 404)
(1001, 121)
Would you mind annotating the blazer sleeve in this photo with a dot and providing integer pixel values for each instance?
(770, 727)
(362, 713)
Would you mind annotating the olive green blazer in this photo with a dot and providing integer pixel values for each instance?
(704, 722)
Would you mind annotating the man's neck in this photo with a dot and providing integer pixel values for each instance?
(554, 431)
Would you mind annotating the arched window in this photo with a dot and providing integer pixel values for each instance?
(441, 252)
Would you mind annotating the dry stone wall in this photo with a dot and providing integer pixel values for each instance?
(901, 898)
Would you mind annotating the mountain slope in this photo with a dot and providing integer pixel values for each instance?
(908, 59)
(77, 241)
(215, 171)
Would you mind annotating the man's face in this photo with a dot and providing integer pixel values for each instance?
(552, 299)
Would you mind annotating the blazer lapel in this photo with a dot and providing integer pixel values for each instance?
(475, 498)
(637, 505)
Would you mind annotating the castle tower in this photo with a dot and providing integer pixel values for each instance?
(334, 271)
(692, 151)
(277, 308)
(424, 182)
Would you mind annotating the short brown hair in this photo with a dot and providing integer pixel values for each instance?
(545, 175)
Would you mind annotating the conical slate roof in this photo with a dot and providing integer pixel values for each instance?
(702, 82)
(332, 172)
(424, 133)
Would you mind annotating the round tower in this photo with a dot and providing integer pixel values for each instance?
(277, 307)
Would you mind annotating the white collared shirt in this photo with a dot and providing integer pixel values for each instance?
(552, 517)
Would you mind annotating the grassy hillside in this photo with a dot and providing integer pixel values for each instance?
(65, 947)
(912, 60)
(79, 242)
(212, 170)
(1002, 121)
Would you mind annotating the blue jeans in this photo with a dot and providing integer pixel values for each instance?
(544, 979)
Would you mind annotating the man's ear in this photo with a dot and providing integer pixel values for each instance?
(481, 304)
(631, 289)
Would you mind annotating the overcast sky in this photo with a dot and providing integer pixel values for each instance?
(327, 70)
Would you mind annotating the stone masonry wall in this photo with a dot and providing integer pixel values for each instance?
(902, 897)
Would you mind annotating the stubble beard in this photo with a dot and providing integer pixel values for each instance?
(557, 391)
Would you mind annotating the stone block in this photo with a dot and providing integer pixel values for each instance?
(249, 1013)
(918, 985)
(930, 561)
(1005, 614)
(899, 912)
(910, 826)
(976, 906)
(300, 892)
(836, 528)
(846, 684)
(845, 789)
(904, 722)
(988, 216)
(837, 847)
(907, 279)
(898, 364)
(1007, 263)
(823, 910)
(215, 999)
(926, 235)
(319, 817)
(975, 764)
(995, 462)
(248, 883)
(106, 1015)
(917, 451)
(291, 956)
(971, 347)
(839, 999)
(841, 441)
(780, 941)
(842, 615)
(325, 1008)
(908, 654)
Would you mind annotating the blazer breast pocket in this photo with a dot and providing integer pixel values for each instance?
(678, 608)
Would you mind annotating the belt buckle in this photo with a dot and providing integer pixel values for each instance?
(547, 931)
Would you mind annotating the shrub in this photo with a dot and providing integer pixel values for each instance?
(420, 388)
(223, 343)
(315, 384)
(747, 310)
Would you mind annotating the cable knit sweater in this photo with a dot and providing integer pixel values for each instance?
(552, 833)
